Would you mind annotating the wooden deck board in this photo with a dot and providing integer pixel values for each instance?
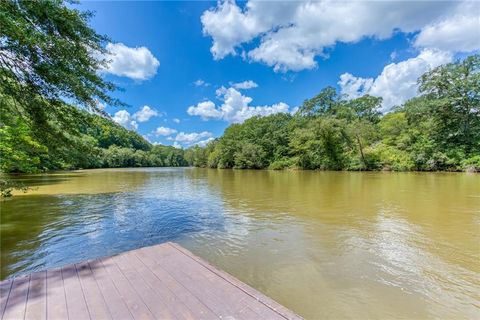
(37, 296)
(56, 302)
(164, 281)
(17, 300)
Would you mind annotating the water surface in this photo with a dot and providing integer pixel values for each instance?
(324, 244)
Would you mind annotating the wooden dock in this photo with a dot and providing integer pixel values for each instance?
(164, 281)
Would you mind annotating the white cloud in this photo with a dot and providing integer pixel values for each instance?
(249, 84)
(229, 27)
(235, 107)
(201, 83)
(398, 81)
(354, 87)
(458, 33)
(164, 131)
(145, 114)
(135, 63)
(292, 34)
(124, 118)
(206, 110)
(176, 120)
(192, 137)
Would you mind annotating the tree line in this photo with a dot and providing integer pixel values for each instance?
(92, 141)
(437, 130)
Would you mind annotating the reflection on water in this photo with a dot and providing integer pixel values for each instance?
(325, 244)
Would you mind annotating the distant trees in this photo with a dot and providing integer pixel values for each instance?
(438, 130)
(97, 143)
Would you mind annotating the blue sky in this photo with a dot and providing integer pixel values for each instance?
(286, 51)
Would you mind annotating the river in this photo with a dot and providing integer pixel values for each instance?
(324, 244)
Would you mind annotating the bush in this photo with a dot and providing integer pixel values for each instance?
(281, 164)
(386, 157)
(471, 164)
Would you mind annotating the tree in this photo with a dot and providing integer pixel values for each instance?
(323, 103)
(321, 145)
(48, 50)
(453, 93)
(250, 156)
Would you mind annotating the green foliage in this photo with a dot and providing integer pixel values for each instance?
(281, 164)
(97, 142)
(471, 164)
(438, 130)
(321, 145)
(49, 50)
(250, 156)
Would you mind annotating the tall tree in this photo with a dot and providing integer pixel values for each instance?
(48, 50)
(453, 93)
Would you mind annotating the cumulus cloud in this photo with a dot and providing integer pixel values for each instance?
(398, 81)
(290, 35)
(354, 87)
(235, 107)
(249, 84)
(206, 110)
(126, 120)
(145, 114)
(176, 120)
(193, 137)
(458, 33)
(135, 63)
(164, 131)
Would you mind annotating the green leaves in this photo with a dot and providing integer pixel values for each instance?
(49, 50)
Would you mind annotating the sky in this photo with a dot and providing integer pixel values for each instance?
(190, 69)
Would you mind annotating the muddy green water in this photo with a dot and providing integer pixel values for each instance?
(324, 244)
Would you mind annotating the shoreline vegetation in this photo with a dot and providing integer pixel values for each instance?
(438, 130)
(46, 62)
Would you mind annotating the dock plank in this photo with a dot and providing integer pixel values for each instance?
(37, 297)
(56, 302)
(162, 291)
(93, 297)
(17, 300)
(5, 287)
(152, 300)
(135, 304)
(76, 304)
(164, 281)
(117, 306)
